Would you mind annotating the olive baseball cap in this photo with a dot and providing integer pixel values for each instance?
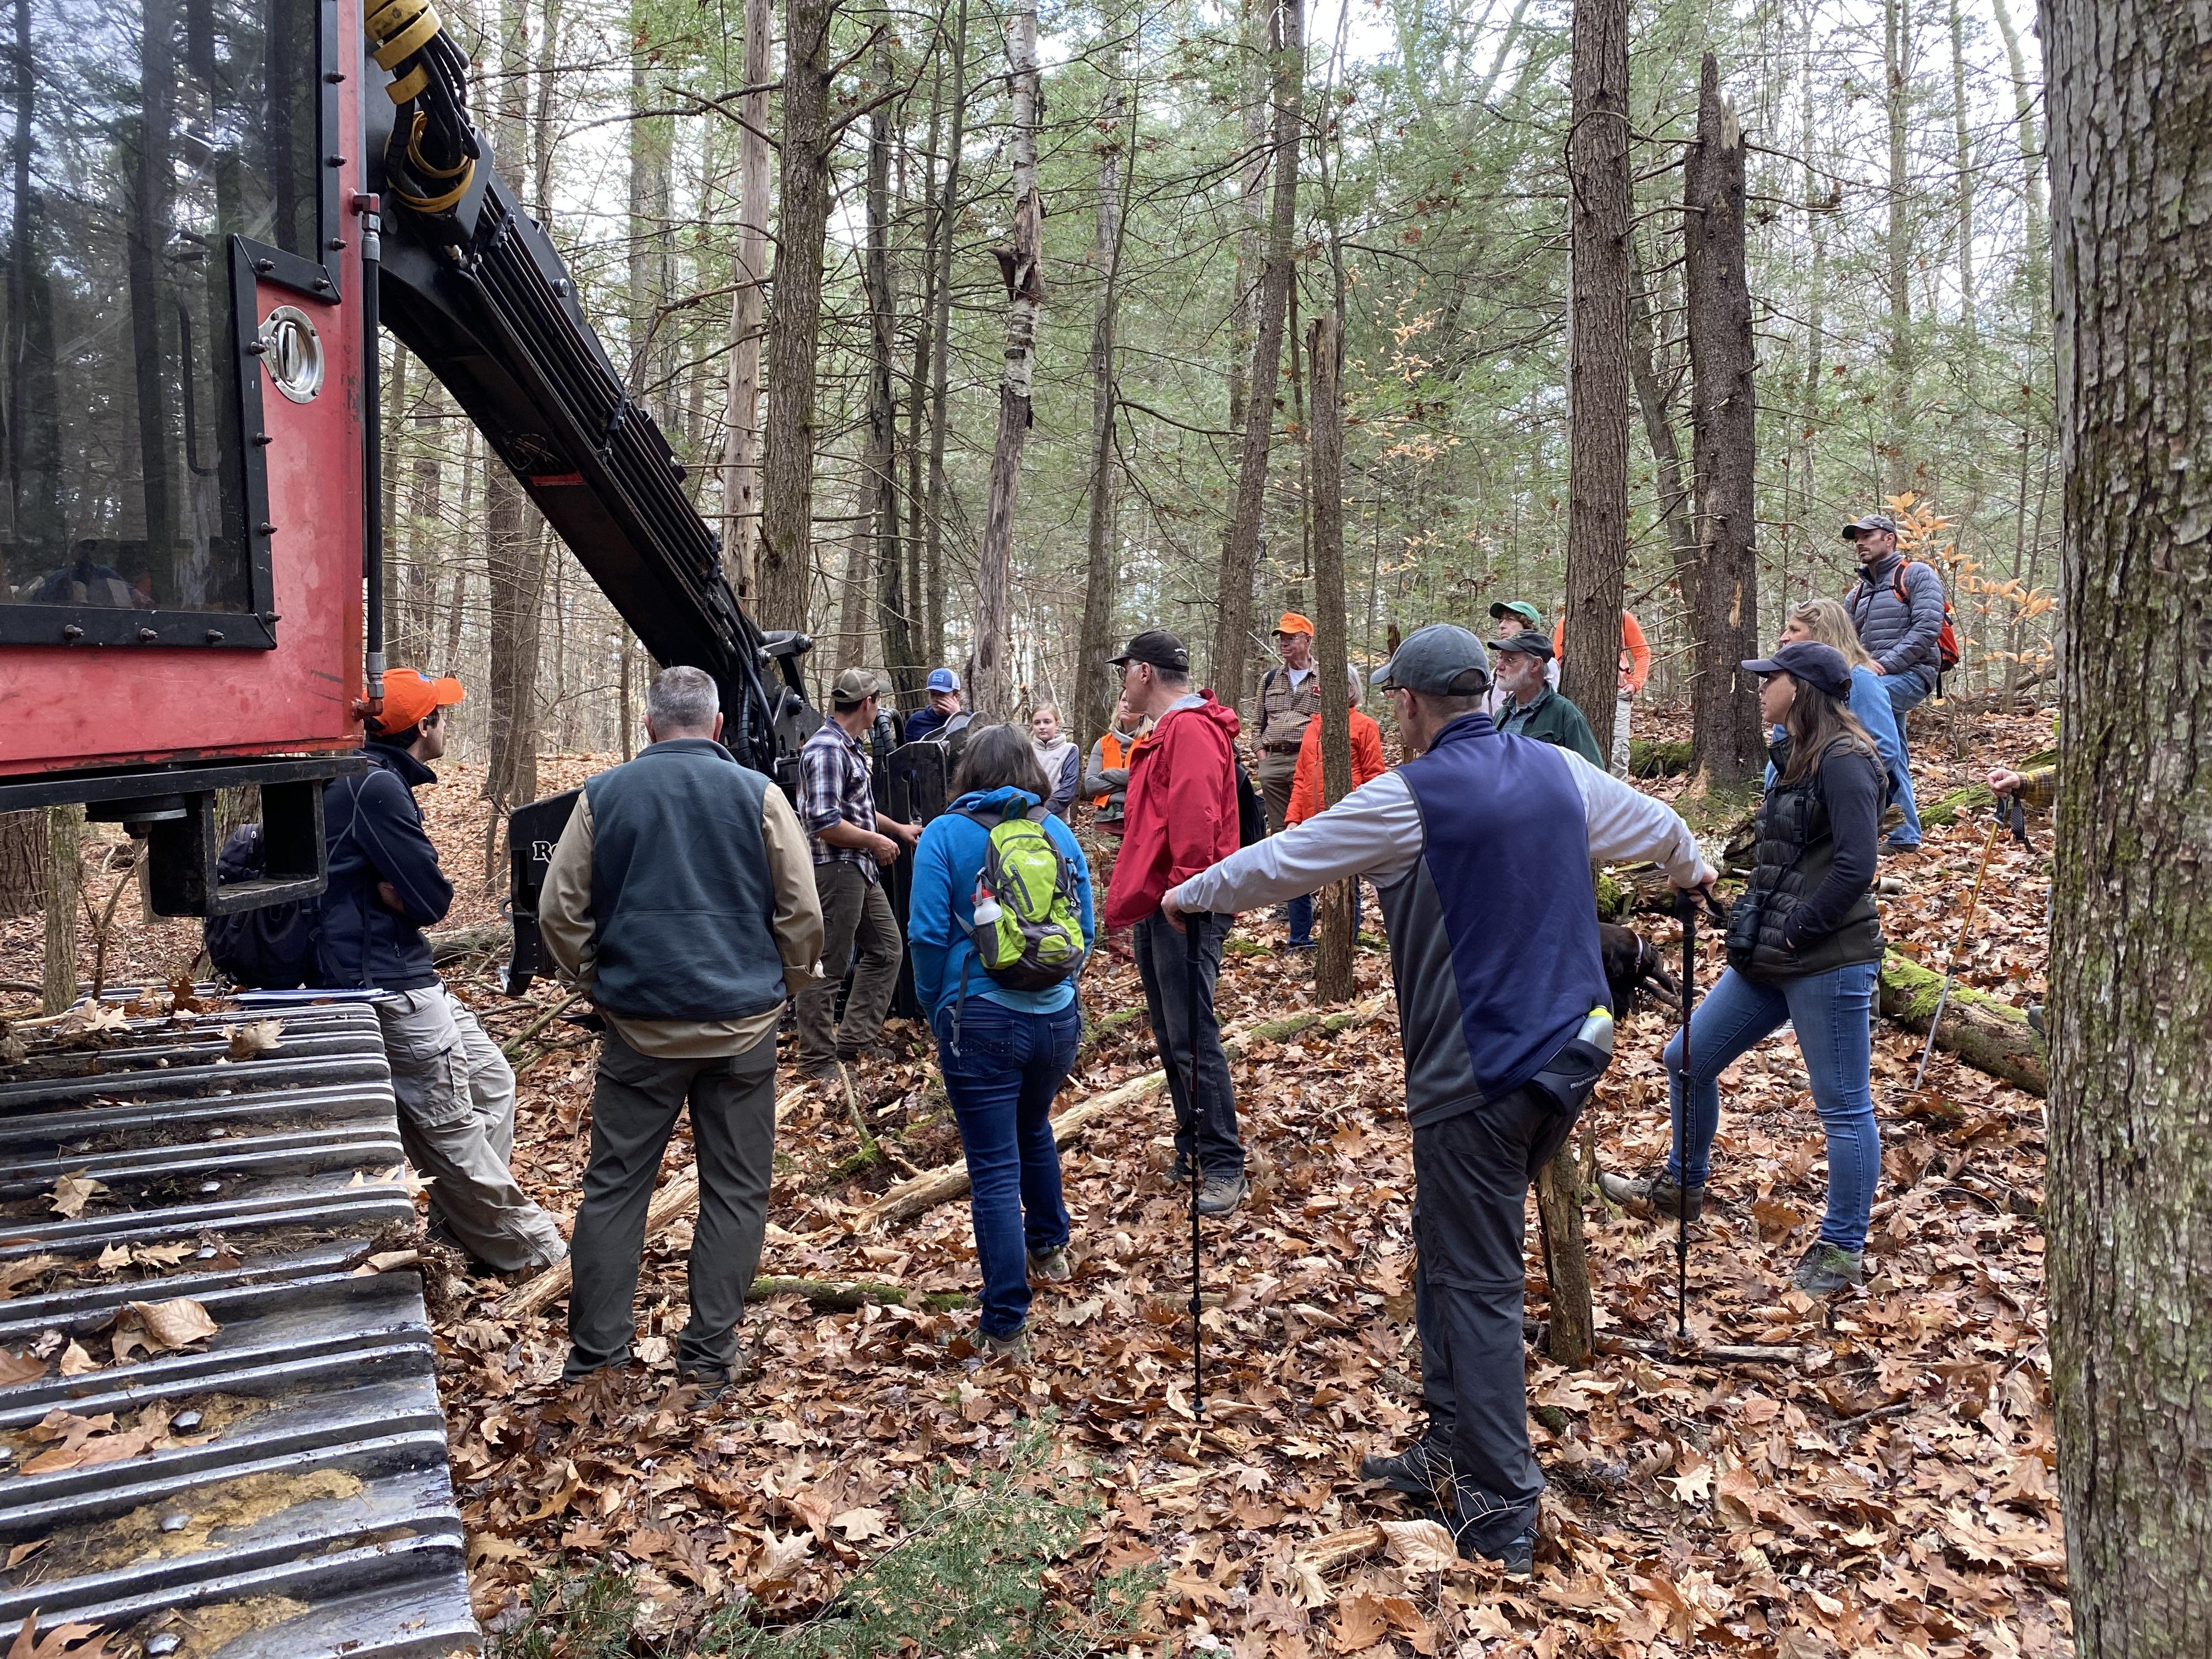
(1441, 659)
(855, 687)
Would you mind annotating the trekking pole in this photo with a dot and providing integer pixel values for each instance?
(1193, 946)
(1685, 906)
(1958, 949)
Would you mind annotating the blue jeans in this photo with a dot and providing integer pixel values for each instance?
(1302, 917)
(1830, 1013)
(1001, 1083)
(1906, 692)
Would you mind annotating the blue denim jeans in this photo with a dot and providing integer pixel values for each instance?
(1302, 917)
(1829, 1012)
(1002, 1084)
(1906, 692)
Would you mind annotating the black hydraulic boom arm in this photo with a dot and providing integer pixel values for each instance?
(473, 286)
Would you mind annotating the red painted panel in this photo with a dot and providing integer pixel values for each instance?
(63, 707)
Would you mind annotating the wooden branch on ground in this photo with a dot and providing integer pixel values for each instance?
(941, 1186)
(514, 1045)
(1337, 1549)
(1987, 1033)
(1718, 1353)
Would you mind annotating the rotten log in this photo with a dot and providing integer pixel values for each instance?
(1987, 1033)
(942, 1185)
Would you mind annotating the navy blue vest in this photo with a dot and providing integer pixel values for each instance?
(682, 899)
(1493, 935)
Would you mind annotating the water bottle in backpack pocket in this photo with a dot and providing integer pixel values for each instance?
(1028, 916)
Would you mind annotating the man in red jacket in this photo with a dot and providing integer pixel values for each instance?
(1180, 817)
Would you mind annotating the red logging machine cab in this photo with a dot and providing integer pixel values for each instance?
(196, 269)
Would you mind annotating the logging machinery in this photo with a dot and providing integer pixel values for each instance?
(209, 209)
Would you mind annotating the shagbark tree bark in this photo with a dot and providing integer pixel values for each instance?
(1240, 550)
(1597, 326)
(1095, 690)
(1021, 265)
(784, 557)
(2131, 133)
(741, 480)
(1333, 979)
(1728, 749)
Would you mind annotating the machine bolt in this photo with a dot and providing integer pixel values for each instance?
(147, 636)
(215, 636)
(264, 266)
(72, 632)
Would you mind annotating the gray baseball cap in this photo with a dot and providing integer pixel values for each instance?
(1441, 659)
(1869, 521)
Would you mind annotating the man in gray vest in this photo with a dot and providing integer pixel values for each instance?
(681, 898)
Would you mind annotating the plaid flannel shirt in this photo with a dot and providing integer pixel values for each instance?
(832, 785)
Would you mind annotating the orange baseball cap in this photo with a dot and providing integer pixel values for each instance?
(408, 698)
(1294, 624)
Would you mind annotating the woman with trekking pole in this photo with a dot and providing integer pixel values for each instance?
(998, 924)
(1804, 947)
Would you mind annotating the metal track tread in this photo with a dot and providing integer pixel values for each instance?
(278, 1489)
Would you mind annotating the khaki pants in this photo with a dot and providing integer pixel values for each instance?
(856, 915)
(456, 1095)
(1278, 771)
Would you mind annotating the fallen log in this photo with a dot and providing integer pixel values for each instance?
(1987, 1033)
(452, 944)
(942, 1185)
(1651, 757)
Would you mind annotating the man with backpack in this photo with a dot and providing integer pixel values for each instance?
(455, 1090)
(1904, 620)
(681, 898)
(1182, 814)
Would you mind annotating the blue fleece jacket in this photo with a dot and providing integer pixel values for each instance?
(940, 906)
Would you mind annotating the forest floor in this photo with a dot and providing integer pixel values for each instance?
(1891, 1491)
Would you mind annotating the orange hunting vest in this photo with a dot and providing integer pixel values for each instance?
(1112, 754)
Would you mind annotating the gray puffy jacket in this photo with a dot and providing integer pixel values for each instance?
(1900, 634)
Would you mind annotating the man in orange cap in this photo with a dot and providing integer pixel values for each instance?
(1290, 699)
(455, 1090)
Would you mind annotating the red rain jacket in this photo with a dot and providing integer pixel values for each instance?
(1179, 816)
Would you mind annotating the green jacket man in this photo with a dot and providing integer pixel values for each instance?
(1530, 708)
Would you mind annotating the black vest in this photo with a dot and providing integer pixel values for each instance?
(1795, 850)
(682, 902)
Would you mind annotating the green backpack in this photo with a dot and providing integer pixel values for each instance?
(1028, 930)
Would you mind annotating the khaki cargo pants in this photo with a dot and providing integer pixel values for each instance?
(456, 1095)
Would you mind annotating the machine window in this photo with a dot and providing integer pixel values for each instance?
(136, 138)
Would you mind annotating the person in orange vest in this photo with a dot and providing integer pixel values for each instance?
(1635, 669)
(1366, 766)
(1106, 774)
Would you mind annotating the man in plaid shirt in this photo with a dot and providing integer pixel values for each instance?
(850, 839)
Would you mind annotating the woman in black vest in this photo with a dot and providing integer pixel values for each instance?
(1805, 947)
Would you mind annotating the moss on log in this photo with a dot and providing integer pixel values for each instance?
(1988, 1034)
(1650, 757)
(1963, 804)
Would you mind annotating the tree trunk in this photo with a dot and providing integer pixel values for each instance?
(1652, 398)
(2036, 266)
(2130, 131)
(940, 330)
(1333, 977)
(1240, 550)
(893, 622)
(741, 425)
(1730, 749)
(1095, 695)
(1962, 164)
(22, 863)
(65, 879)
(1897, 71)
(784, 556)
(1021, 267)
(1597, 349)
(853, 633)
(1257, 30)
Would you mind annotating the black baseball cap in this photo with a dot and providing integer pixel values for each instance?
(1529, 644)
(1860, 526)
(1158, 648)
(1821, 667)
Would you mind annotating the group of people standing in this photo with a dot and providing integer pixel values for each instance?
(690, 900)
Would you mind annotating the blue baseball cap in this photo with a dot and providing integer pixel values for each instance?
(943, 679)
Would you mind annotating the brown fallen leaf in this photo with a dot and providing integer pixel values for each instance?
(73, 1192)
(857, 1524)
(1361, 1622)
(22, 1552)
(160, 1327)
(1423, 1545)
(385, 1261)
(76, 1361)
(19, 1368)
(22, 1270)
(62, 1639)
(254, 1039)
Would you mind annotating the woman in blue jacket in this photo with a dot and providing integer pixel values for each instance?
(1825, 622)
(1004, 1053)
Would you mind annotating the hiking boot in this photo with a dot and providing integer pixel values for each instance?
(1657, 1192)
(821, 1070)
(1420, 1471)
(1013, 1348)
(1221, 1193)
(1051, 1266)
(877, 1050)
(1517, 1557)
(1826, 1268)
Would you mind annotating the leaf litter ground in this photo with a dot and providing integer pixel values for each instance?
(1892, 1494)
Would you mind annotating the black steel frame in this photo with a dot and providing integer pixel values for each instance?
(69, 626)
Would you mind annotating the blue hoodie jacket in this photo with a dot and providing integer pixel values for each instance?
(941, 905)
(375, 834)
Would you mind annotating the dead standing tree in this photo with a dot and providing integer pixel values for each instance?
(1728, 749)
(1022, 266)
(1333, 977)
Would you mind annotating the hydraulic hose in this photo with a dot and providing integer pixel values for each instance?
(372, 424)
